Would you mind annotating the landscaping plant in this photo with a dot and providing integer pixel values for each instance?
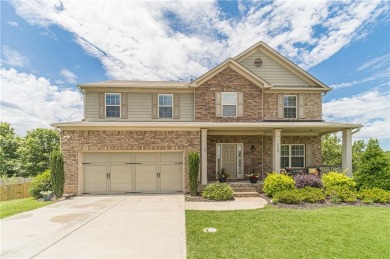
(275, 182)
(338, 194)
(297, 196)
(193, 167)
(303, 180)
(218, 191)
(57, 173)
(372, 195)
(332, 179)
(40, 183)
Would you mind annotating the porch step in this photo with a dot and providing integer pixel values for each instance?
(245, 194)
(244, 189)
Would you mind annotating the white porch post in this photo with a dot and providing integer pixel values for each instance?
(204, 156)
(276, 151)
(347, 151)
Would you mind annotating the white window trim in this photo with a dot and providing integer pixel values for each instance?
(290, 156)
(296, 106)
(222, 104)
(105, 105)
(158, 105)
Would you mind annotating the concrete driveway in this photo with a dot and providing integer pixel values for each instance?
(134, 226)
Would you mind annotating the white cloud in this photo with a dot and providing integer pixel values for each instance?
(167, 40)
(69, 76)
(28, 102)
(12, 57)
(372, 109)
(376, 63)
(13, 23)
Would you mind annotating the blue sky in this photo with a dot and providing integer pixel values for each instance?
(48, 46)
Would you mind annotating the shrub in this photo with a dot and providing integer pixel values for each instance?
(333, 179)
(275, 182)
(374, 195)
(311, 180)
(297, 196)
(218, 191)
(193, 165)
(338, 194)
(40, 183)
(57, 173)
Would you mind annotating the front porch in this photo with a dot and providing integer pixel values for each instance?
(262, 146)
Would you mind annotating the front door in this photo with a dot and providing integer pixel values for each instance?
(229, 159)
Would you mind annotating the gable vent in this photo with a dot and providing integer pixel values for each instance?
(258, 62)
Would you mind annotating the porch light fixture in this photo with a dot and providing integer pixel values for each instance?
(253, 148)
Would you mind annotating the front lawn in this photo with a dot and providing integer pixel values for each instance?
(337, 232)
(9, 208)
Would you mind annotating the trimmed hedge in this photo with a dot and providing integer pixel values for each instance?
(298, 196)
(374, 195)
(275, 182)
(338, 194)
(218, 191)
(40, 183)
(333, 179)
(193, 168)
(311, 180)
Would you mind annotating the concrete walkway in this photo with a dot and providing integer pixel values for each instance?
(134, 226)
(249, 203)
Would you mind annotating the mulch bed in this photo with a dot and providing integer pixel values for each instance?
(199, 199)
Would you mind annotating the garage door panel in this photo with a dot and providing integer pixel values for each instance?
(146, 178)
(95, 158)
(95, 179)
(120, 157)
(121, 178)
(146, 157)
(171, 157)
(171, 177)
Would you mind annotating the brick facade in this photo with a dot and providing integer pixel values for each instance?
(313, 106)
(228, 80)
(96, 140)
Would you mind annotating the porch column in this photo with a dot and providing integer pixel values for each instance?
(204, 156)
(276, 151)
(347, 151)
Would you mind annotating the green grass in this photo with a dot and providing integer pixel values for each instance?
(9, 208)
(337, 232)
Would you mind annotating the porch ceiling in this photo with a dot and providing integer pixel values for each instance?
(225, 128)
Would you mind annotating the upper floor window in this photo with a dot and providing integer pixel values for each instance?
(165, 105)
(290, 106)
(113, 105)
(292, 156)
(229, 104)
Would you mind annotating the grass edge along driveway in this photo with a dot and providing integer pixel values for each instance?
(337, 232)
(13, 207)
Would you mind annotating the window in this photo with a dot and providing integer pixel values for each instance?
(113, 105)
(290, 106)
(229, 104)
(165, 103)
(292, 156)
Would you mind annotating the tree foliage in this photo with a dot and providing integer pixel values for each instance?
(331, 150)
(8, 150)
(57, 173)
(35, 151)
(374, 167)
(193, 162)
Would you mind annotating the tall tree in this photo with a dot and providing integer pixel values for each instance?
(357, 152)
(8, 149)
(331, 150)
(374, 167)
(35, 151)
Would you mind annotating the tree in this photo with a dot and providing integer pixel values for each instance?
(57, 173)
(193, 165)
(374, 167)
(35, 151)
(331, 150)
(8, 149)
(357, 152)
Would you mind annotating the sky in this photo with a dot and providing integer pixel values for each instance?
(49, 46)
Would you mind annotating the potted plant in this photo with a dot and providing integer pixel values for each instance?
(47, 195)
(222, 175)
(252, 175)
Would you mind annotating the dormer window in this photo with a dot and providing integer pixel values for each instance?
(290, 106)
(165, 105)
(113, 105)
(229, 104)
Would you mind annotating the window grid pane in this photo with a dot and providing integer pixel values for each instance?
(229, 98)
(297, 161)
(229, 110)
(292, 156)
(165, 112)
(165, 106)
(113, 111)
(113, 102)
(290, 113)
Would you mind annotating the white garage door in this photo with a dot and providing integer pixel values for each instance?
(110, 173)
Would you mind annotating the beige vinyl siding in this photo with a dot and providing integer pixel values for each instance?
(139, 107)
(271, 71)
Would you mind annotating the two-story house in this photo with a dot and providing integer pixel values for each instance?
(255, 110)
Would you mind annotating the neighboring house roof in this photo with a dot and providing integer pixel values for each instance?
(236, 67)
(135, 84)
(283, 61)
(315, 128)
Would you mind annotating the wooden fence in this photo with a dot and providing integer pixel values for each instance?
(14, 191)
